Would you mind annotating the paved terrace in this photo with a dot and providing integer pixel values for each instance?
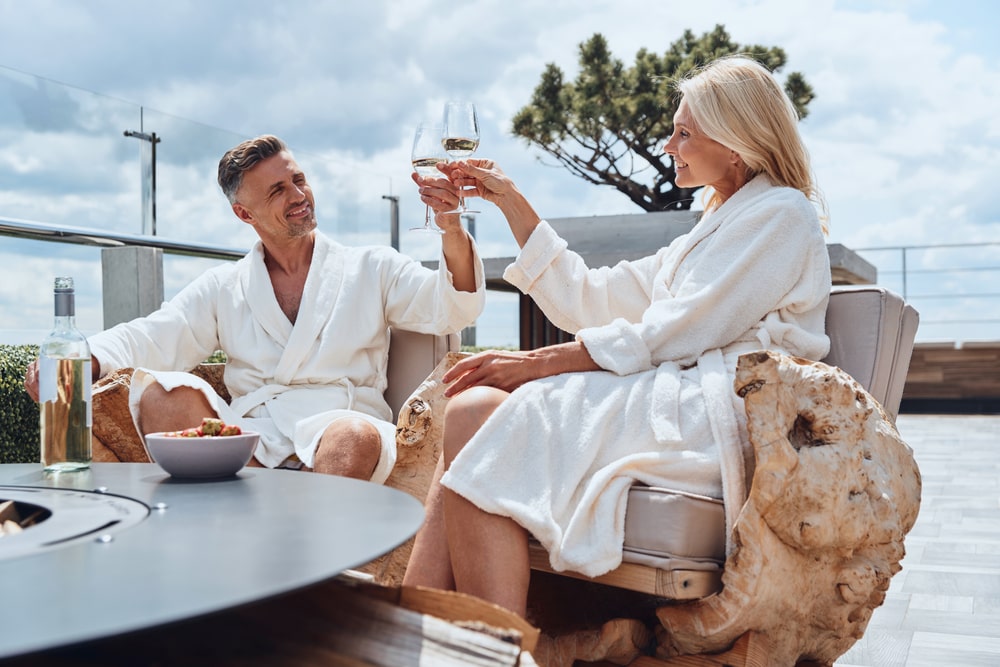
(943, 608)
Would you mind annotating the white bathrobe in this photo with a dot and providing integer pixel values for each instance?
(560, 454)
(289, 382)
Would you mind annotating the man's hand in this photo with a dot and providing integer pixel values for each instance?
(31, 376)
(31, 380)
(442, 196)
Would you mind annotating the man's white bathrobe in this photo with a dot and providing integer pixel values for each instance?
(289, 382)
(560, 454)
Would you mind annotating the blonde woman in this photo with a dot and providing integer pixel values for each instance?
(547, 442)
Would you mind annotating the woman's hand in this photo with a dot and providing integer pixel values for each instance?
(488, 182)
(508, 370)
(487, 179)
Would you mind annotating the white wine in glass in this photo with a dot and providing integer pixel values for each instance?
(426, 154)
(461, 136)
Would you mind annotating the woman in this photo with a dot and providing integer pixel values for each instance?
(547, 442)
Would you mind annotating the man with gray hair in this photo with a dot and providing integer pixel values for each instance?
(304, 322)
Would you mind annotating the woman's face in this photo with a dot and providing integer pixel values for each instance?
(700, 161)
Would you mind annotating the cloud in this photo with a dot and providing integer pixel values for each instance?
(904, 131)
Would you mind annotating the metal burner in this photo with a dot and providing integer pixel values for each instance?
(67, 516)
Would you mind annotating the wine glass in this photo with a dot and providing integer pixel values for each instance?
(461, 136)
(426, 154)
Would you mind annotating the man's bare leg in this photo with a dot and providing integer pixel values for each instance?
(174, 410)
(349, 447)
(180, 408)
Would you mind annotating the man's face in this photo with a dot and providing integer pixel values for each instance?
(276, 199)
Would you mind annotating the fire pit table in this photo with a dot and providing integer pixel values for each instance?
(124, 546)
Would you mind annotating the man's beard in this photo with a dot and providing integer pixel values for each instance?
(302, 228)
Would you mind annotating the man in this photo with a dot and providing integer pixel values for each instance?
(304, 324)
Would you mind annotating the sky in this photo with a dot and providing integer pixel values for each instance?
(904, 132)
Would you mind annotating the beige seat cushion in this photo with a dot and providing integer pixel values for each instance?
(674, 530)
(871, 333)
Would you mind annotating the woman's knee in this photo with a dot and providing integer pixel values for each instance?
(466, 413)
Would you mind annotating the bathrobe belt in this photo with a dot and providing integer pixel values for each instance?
(244, 405)
(665, 406)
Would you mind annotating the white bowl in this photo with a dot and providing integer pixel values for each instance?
(213, 456)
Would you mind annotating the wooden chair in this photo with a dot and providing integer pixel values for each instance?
(412, 357)
(675, 542)
(834, 492)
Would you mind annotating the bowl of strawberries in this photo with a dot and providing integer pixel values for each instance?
(214, 449)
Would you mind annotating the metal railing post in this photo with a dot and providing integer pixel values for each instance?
(904, 273)
(393, 220)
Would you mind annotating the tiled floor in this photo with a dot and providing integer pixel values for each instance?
(943, 608)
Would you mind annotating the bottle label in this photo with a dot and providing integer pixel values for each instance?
(46, 379)
(65, 412)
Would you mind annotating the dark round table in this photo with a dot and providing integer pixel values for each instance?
(204, 546)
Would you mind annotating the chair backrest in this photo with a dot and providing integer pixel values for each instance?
(412, 357)
(871, 332)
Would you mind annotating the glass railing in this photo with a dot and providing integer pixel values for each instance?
(67, 162)
(955, 287)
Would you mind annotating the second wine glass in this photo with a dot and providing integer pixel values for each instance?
(461, 136)
(426, 154)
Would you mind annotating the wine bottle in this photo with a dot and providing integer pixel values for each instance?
(64, 388)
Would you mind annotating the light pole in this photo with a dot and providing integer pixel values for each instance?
(393, 220)
(148, 182)
(469, 332)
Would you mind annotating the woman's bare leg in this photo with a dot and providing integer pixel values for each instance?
(489, 554)
(430, 564)
(430, 561)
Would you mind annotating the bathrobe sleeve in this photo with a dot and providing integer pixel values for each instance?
(182, 333)
(420, 299)
(766, 256)
(574, 296)
(762, 252)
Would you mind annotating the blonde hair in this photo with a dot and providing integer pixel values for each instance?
(737, 102)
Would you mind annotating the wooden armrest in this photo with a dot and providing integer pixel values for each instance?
(673, 584)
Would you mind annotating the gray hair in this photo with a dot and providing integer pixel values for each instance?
(241, 159)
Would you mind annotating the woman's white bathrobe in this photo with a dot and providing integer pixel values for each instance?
(560, 454)
(289, 382)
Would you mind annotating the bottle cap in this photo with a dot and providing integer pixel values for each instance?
(65, 297)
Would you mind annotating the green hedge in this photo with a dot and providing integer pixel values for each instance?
(19, 435)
